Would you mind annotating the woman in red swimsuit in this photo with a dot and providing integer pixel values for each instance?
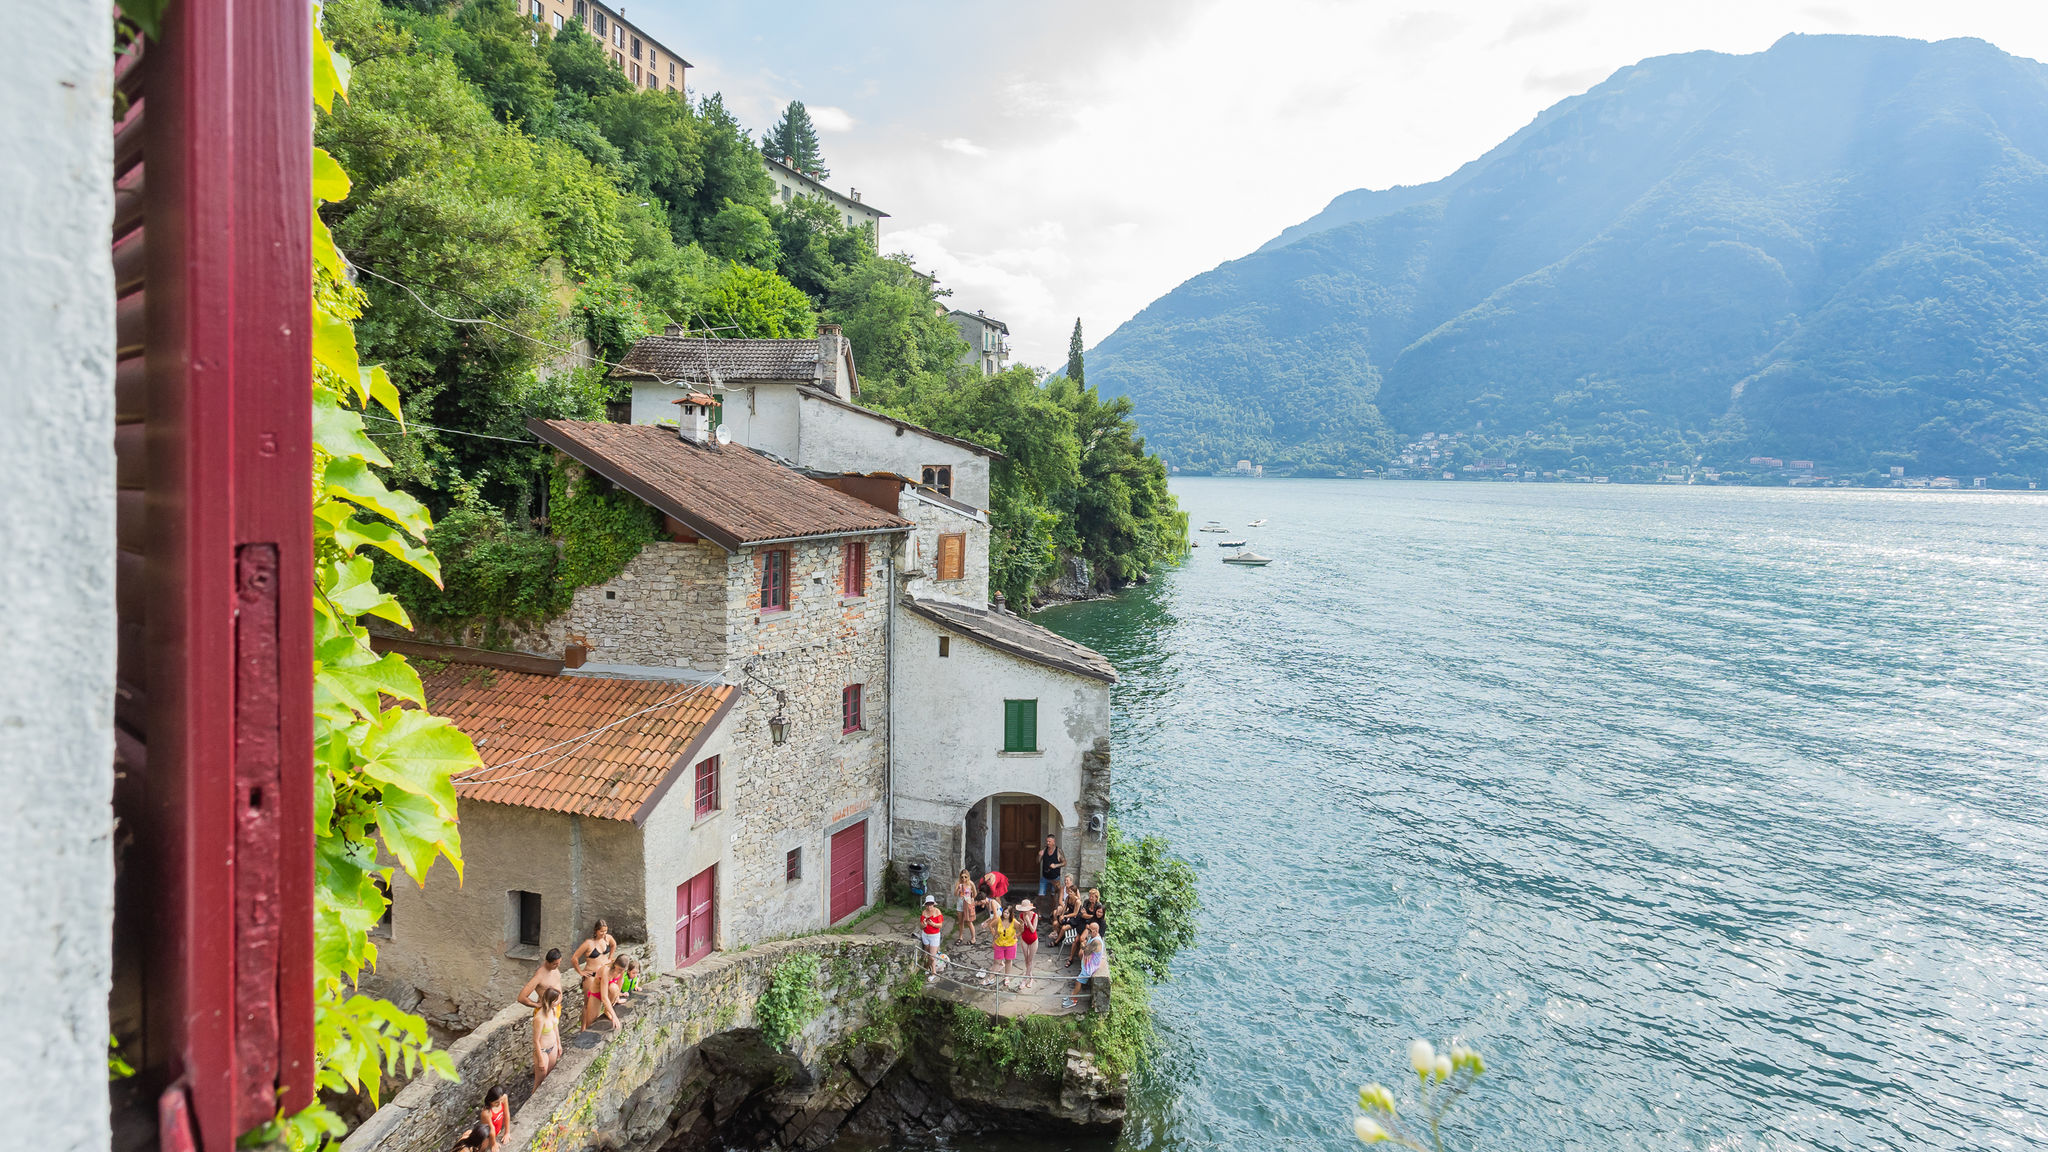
(497, 1114)
(1027, 935)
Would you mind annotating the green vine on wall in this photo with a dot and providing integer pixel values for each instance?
(600, 527)
(790, 1001)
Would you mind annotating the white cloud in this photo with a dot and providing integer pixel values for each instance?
(830, 119)
(1112, 151)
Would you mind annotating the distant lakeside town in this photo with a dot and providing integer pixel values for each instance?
(1441, 456)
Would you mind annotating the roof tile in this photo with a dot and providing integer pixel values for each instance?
(729, 361)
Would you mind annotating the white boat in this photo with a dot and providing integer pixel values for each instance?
(1214, 526)
(1259, 523)
(1247, 556)
(1230, 543)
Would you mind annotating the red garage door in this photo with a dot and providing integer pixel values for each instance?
(694, 915)
(849, 871)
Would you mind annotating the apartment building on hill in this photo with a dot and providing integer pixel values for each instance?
(647, 62)
(790, 183)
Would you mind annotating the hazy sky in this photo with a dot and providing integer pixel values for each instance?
(1064, 159)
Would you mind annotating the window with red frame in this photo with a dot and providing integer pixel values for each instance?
(707, 787)
(775, 580)
(856, 582)
(849, 709)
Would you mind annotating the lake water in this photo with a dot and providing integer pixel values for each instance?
(1715, 818)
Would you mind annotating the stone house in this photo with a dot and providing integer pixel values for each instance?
(988, 340)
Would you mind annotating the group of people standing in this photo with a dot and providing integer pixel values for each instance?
(1015, 932)
(607, 979)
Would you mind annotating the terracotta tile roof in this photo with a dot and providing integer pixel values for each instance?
(1011, 633)
(734, 361)
(728, 494)
(584, 744)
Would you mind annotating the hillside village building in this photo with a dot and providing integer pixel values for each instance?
(804, 680)
(988, 340)
(645, 61)
(790, 183)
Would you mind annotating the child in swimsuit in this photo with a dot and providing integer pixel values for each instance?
(497, 1114)
(632, 979)
(547, 1038)
(963, 903)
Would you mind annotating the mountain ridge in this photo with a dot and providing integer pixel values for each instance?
(1833, 249)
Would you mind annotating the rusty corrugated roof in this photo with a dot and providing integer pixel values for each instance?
(588, 745)
(729, 494)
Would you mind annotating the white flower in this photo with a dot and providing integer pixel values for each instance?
(1422, 1057)
(1443, 1067)
(1368, 1131)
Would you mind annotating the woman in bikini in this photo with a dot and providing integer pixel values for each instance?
(547, 1035)
(497, 1114)
(964, 900)
(593, 958)
(1027, 937)
(615, 986)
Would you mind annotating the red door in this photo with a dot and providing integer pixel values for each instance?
(695, 912)
(849, 871)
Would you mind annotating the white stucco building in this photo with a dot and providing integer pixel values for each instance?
(789, 183)
(988, 340)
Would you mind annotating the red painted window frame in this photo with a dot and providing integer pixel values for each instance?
(854, 581)
(849, 709)
(774, 591)
(707, 787)
(792, 865)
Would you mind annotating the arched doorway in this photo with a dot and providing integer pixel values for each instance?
(1004, 833)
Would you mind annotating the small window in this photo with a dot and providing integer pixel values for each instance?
(849, 709)
(529, 918)
(939, 478)
(558, 21)
(945, 645)
(1020, 725)
(707, 787)
(775, 580)
(636, 75)
(671, 71)
(597, 24)
(636, 47)
(855, 581)
(793, 865)
(583, 10)
(952, 555)
(618, 35)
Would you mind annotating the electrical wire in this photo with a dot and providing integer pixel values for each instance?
(409, 424)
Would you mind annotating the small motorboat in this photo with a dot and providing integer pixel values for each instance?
(1259, 523)
(1214, 526)
(1230, 543)
(1248, 557)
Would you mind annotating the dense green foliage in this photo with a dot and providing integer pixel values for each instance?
(791, 999)
(794, 141)
(515, 193)
(1835, 250)
(1152, 903)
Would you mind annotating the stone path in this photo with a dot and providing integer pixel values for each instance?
(965, 978)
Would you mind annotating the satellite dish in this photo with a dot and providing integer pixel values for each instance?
(724, 434)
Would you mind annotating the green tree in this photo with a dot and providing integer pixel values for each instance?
(742, 233)
(733, 173)
(1074, 349)
(794, 141)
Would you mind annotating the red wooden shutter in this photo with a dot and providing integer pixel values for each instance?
(213, 261)
(849, 708)
(856, 569)
(695, 914)
(849, 871)
(707, 787)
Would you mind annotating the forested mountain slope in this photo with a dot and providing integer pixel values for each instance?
(1836, 249)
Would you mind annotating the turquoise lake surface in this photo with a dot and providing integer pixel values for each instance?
(1715, 818)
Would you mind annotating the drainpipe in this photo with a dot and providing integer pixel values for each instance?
(889, 718)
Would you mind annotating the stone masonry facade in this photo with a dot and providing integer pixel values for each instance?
(668, 609)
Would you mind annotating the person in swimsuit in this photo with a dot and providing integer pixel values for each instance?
(632, 979)
(931, 924)
(547, 1035)
(548, 975)
(1069, 903)
(964, 905)
(1050, 863)
(615, 986)
(1004, 933)
(593, 960)
(1091, 914)
(497, 1114)
(476, 1139)
(1092, 959)
(1027, 936)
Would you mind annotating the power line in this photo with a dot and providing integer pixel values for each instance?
(455, 431)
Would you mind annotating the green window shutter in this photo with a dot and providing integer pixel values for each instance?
(1020, 725)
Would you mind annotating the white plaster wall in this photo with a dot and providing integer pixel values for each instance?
(57, 583)
(676, 845)
(949, 726)
(760, 416)
(840, 440)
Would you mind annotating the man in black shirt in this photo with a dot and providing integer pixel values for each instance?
(1051, 861)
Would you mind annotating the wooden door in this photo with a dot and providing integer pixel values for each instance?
(849, 879)
(696, 912)
(1017, 841)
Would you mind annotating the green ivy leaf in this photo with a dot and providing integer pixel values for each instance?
(325, 254)
(330, 71)
(334, 345)
(351, 534)
(348, 587)
(339, 432)
(351, 479)
(330, 183)
(377, 385)
(417, 752)
(414, 831)
(360, 686)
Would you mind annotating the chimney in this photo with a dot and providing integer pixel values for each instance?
(830, 346)
(856, 195)
(694, 423)
(672, 330)
(999, 606)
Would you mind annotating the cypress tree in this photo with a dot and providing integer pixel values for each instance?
(1074, 356)
(794, 141)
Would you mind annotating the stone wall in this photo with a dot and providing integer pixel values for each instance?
(666, 610)
(921, 553)
(429, 1113)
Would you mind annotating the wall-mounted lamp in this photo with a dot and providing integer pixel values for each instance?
(778, 724)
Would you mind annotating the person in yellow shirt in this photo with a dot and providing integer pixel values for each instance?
(1005, 935)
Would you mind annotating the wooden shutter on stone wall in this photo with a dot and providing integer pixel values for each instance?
(952, 555)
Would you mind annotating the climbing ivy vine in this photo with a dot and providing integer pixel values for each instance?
(790, 1001)
(383, 772)
(601, 528)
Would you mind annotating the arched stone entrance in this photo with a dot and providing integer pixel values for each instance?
(1005, 831)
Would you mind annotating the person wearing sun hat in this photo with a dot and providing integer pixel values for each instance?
(931, 923)
(1027, 937)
